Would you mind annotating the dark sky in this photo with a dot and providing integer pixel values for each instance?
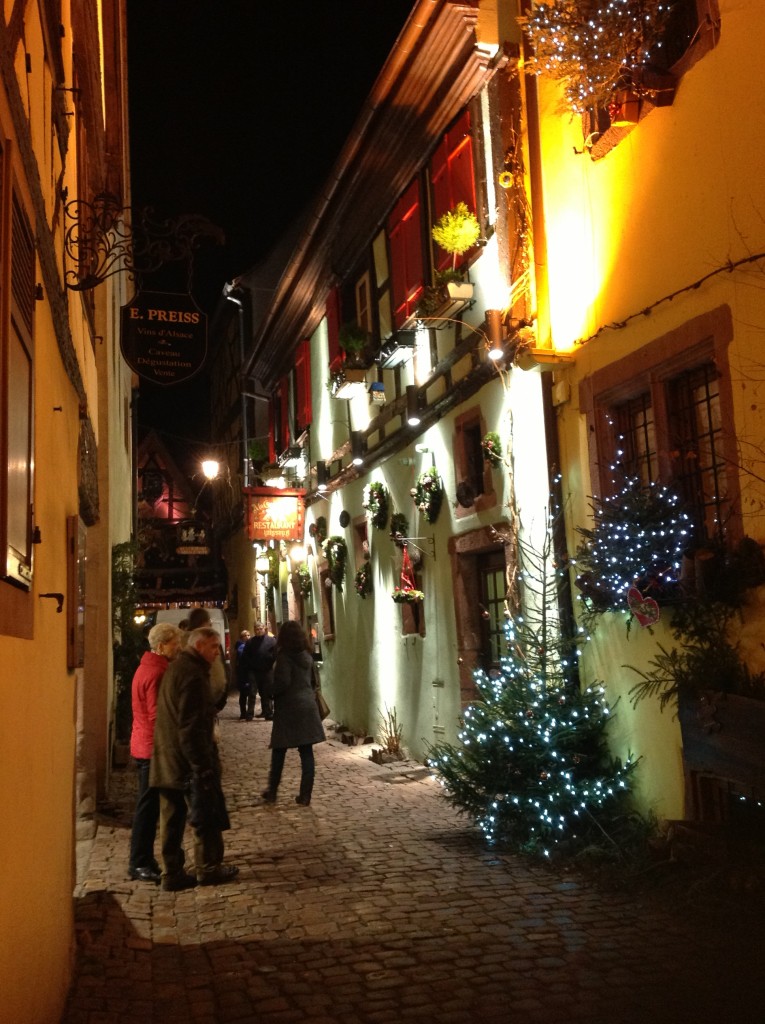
(238, 109)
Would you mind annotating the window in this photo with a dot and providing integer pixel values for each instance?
(17, 510)
(665, 414)
(452, 179)
(405, 239)
(492, 587)
(474, 481)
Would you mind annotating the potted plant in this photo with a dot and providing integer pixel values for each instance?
(362, 581)
(303, 574)
(407, 595)
(456, 232)
(352, 340)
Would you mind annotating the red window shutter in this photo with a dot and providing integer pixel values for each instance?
(405, 238)
(452, 178)
(284, 413)
(333, 329)
(303, 384)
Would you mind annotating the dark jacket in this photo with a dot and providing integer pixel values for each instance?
(258, 654)
(183, 732)
(296, 716)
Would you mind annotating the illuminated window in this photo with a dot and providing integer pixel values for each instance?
(665, 414)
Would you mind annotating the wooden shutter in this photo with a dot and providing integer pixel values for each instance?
(452, 178)
(284, 413)
(303, 384)
(405, 239)
(333, 329)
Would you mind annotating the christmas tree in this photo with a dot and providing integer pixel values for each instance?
(532, 768)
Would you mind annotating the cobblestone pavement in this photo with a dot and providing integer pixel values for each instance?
(378, 905)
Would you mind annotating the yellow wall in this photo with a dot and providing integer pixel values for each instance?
(675, 200)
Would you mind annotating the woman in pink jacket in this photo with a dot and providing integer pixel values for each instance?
(164, 643)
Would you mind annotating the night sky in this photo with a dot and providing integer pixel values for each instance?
(238, 109)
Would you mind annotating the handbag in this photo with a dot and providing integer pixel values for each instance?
(321, 704)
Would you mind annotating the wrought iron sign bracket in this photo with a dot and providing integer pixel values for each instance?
(103, 238)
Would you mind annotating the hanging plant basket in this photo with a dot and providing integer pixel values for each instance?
(362, 581)
(336, 553)
(407, 595)
(375, 501)
(428, 494)
(492, 448)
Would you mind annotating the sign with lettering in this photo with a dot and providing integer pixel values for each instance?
(274, 514)
(192, 538)
(163, 337)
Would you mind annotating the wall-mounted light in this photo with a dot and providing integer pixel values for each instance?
(495, 332)
(422, 449)
(357, 448)
(262, 565)
(297, 554)
(412, 406)
(322, 476)
(210, 468)
(291, 457)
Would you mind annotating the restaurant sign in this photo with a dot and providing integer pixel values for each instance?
(163, 337)
(274, 514)
(192, 538)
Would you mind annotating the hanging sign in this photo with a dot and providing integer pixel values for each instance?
(163, 337)
(274, 514)
(192, 538)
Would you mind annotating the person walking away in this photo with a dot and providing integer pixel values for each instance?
(259, 654)
(186, 769)
(296, 715)
(164, 644)
(244, 680)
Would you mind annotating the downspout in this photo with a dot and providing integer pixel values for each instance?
(243, 413)
(545, 340)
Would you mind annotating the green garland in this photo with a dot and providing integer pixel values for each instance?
(363, 580)
(428, 494)
(375, 501)
(336, 553)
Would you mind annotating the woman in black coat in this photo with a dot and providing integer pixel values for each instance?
(296, 715)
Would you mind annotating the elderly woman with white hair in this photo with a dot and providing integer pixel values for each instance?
(164, 644)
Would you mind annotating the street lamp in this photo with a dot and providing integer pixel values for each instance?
(210, 468)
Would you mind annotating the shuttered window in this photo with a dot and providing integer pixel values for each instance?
(405, 241)
(452, 179)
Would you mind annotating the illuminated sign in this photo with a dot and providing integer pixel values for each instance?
(163, 337)
(274, 514)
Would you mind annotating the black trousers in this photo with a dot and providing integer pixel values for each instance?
(208, 842)
(307, 770)
(145, 819)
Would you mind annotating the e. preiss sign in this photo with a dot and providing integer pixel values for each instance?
(163, 337)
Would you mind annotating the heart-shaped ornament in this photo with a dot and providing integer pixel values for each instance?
(645, 609)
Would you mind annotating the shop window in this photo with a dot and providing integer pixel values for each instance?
(665, 414)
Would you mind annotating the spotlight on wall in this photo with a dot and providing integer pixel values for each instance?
(357, 448)
(412, 406)
(495, 332)
(322, 476)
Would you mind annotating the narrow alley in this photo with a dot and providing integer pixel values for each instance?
(378, 905)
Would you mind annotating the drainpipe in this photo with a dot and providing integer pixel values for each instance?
(243, 414)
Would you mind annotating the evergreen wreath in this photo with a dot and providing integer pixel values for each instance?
(428, 494)
(304, 579)
(399, 528)
(363, 580)
(492, 448)
(336, 553)
(375, 501)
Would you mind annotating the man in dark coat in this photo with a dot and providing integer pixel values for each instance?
(186, 770)
(258, 659)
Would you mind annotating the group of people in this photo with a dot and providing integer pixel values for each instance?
(177, 692)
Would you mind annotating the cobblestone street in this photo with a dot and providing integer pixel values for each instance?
(378, 905)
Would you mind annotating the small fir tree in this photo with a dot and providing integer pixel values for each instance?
(532, 769)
